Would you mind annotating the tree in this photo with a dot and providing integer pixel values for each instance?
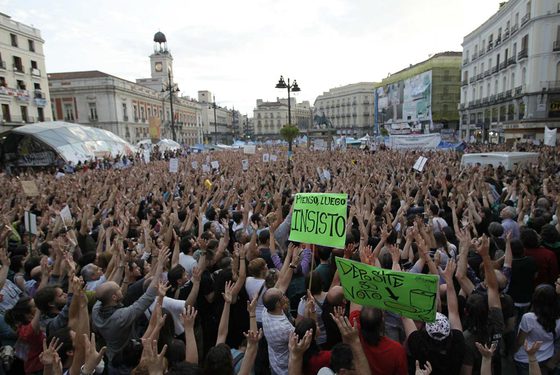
(289, 133)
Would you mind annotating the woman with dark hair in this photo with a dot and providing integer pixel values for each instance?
(319, 298)
(24, 319)
(219, 361)
(542, 323)
(313, 358)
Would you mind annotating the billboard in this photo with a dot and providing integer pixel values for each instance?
(406, 105)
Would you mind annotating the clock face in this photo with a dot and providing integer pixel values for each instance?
(158, 67)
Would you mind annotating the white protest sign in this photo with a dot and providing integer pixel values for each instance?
(30, 222)
(30, 188)
(249, 149)
(326, 174)
(245, 164)
(215, 164)
(146, 156)
(420, 163)
(207, 159)
(273, 158)
(194, 165)
(66, 215)
(266, 158)
(550, 136)
(173, 165)
(205, 168)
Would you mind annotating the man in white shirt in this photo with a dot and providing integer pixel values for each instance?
(187, 247)
(277, 329)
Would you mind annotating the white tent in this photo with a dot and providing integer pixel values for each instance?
(506, 159)
(40, 144)
(164, 144)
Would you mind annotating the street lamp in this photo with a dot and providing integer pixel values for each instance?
(172, 90)
(293, 87)
(215, 121)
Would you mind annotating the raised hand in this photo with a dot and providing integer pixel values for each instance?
(228, 292)
(348, 333)
(252, 306)
(188, 317)
(253, 337)
(298, 347)
(427, 370)
(486, 351)
(93, 357)
(49, 355)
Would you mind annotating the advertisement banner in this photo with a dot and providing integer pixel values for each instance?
(319, 219)
(415, 142)
(412, 295)
(155, 127)
(550, 136)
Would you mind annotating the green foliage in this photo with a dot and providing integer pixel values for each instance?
(289, 133)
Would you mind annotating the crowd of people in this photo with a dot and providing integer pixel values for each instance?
(193, 272)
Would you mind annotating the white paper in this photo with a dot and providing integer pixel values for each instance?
(207, 159)
(550, 136)
(66, 215)
(194, 165)
(245, 164)
(205, 168)
(146, 156)
(215, 164)
(420, 163)
(326, 174)
(266, 158)
(173, 165)
(273, 158)
(249, 149)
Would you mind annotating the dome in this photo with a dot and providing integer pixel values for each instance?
(159, 37)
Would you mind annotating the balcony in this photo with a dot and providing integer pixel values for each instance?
(479, 77)
(35, 72)
(487, 73)
(93, 118)
(471, 103)
(498, 40)
(495, 70)
(500, 96)
(508, 94)
(18, 69)
(465, 62)
(518, 90)
(523, 54)
(503, 65)
(477, 102)
(512, 61)
(462, 106)
(484, 100)
(490, 46)
(492, 99)
(514, 29)
(38, 94)
(135, 119)
(2, 64)
(506, 34)
(556, 46)
(525, 19)
(464, 82)
(481, 52)
(125, 118)
(472, 80)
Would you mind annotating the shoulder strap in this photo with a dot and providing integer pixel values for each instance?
(238, 359)
(261, 290)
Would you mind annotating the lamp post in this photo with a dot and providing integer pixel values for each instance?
(215, 120)
(290, 132)
(291, 88)
(172, 90)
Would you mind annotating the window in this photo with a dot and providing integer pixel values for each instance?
(512, 83)
(525, 43)
(514, 50)
(125, 112)
(6, 113)
(496, 87)
(31, 45)
(68, 112)
(20, 84)
(504, 84)
(3, 82)
(24, 117)
(18, 66)
(142, 114)
(524, 76)
(40, 114)
(135, 111)
(33, 64)
(13, 38)
(92, 111)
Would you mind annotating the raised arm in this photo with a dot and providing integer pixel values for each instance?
(191, 354)
(452, 303)
(248, 363)
(224, 320)
(489, 275)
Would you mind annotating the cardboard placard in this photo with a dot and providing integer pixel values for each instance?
(205, 168)
(412, 295)
(30, 188)
(420, 163)
(194, 165)
(273, 158)
(249, 149)
(215, 164)
(173, 165)
(266, 158)
(30, 222)
(319, 219)
(245, 164)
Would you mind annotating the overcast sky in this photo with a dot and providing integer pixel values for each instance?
(238, 49)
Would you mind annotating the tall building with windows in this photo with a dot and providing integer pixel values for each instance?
(348, 109)
(269, 117)
(101, 100)
(24, 94)
(511, 73)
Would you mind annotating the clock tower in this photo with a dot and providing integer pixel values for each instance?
(161, 60)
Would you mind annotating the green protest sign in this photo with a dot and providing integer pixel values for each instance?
(412, 295)
(319, 219)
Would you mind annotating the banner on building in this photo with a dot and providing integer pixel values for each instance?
(550, 136)
(412, 295)
(155, 128)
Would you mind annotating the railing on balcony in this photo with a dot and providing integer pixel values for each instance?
(492, 98)
(464, 82)
(2, 64)
(512, 61)
(508, 94)
(465, 62)
(18, 69)
(500, 96)
(523, 54)
(35, 72)
(479, 77)
(472, 79)
(462, 106)
(125, 118)
(494, 70)
(490, 46)
(471, 103)
(477, 102)
(484, 100)
(38, 94)
(487, 73)
(503, 64)
(525, 19)
(556, 46)
(498, 40)
(518, 90)
(506, 34)
(514, 29)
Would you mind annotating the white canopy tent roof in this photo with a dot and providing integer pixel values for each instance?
(72, 142)
(164, 144)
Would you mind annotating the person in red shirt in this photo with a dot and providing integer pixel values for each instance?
(24, 318)
(547, 265)
(313, 358)
(384, 355)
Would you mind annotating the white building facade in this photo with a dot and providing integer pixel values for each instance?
(511, 73)
(349, 109)
(24, 94)
(270, 117)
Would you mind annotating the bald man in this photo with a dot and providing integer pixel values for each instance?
(115, 322)
(277, 329)
(335, 297)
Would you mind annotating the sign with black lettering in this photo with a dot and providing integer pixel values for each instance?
(319, 219)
